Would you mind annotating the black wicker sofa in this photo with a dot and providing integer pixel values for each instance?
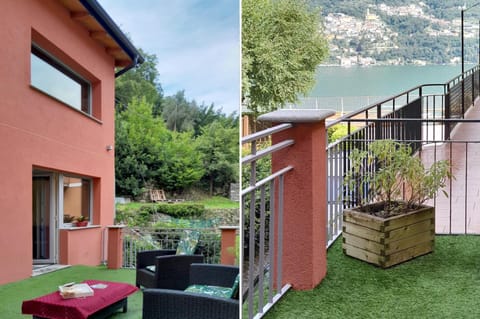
(175, 304)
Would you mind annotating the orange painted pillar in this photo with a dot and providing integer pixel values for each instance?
(115, 247)
(305, 195)
(228, 253)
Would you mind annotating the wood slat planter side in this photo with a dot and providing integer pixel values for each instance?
(386, 242)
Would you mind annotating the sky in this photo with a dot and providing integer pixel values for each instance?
(197, 44)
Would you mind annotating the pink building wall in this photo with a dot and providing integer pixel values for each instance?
(304, 254)
(37, 131)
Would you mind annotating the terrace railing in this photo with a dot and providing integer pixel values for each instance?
(435, 122)
(263, 224)
(426, 117)
(139, 239)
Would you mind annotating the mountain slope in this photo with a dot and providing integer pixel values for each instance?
(399, 31)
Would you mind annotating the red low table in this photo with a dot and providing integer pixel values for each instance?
(102, 304)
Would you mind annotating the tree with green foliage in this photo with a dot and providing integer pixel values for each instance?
(219, 145)
(182, 115)
(140, 82)
(207, 115)
(180, 163)
(156, 136)
(178, 113)
(138, 141)
(148, 154)
(282, 44)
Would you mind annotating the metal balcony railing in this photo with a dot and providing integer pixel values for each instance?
(436, 120)
(433, 120)
(262, 209)
(140, 238)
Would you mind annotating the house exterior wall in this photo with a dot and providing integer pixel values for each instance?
(38, 132)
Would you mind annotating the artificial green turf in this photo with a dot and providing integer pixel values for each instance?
(12, 295)
(218, 202)
(443, 284)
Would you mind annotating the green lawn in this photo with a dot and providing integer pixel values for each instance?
(12, 295)
(214, 202)
(444, 284)
(217, 202)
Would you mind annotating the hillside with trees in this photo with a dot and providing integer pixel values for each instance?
(399, 31)
(170, 142)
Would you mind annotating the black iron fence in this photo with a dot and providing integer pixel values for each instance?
(437, 123)
(141, 238)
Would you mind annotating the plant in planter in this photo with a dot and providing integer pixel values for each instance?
(390, 186)
(67, 218)
(82, 221)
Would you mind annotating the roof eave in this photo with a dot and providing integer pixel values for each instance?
(94, 9)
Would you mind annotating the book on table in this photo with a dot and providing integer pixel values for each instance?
(75, 291)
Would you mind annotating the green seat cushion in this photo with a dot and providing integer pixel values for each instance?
(216, 291)
(186, 245)
(236, 284)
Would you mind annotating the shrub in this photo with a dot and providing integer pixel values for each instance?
(175, 210)
(337, 132)
(389, 173)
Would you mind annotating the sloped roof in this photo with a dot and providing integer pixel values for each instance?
(103, 29)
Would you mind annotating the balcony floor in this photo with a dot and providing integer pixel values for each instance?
(443, 284)
(460, 212)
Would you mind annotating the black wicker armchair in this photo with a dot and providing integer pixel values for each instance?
(174, 304)
(170, 272)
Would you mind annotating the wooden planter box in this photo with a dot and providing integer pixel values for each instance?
(388, 241)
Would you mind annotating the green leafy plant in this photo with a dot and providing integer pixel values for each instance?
(337, 132)
(67, 218)
(81, 218)
(389, 174)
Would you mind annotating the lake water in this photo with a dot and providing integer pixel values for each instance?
(346, 89)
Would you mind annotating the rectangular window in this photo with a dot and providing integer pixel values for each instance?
(55, 79)
(77, 198)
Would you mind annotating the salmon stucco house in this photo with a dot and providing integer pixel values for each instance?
(57, 67)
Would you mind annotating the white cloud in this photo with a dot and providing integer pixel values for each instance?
(196, 42)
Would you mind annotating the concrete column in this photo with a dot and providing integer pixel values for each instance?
(305, 195)
(115, 247)
(228, 255)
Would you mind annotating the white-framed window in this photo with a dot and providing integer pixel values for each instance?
(50, 76)
(75, 199)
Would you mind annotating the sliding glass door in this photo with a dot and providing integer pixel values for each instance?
(43, 219)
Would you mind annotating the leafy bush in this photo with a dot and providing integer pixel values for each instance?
(389, 173)
(337, 132)
(133, 217)
(175, 210)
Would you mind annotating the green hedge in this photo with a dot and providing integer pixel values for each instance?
(175, 210)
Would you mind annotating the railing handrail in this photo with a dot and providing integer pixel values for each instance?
(267, 132)
(266, 180)
(461, 76)
(146, 238)
(406, 119)
(364, 109)
(413, 117)
(378, 103)
(269, 150)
